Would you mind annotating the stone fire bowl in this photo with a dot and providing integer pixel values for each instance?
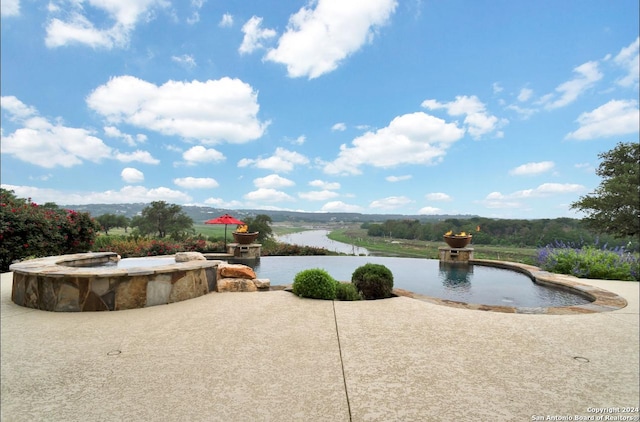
(457, 241)
(245, 238)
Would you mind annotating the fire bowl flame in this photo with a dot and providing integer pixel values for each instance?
(244, 238)
(457, 241)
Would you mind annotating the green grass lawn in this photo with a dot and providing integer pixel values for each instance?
(427, 249)
(215, 230)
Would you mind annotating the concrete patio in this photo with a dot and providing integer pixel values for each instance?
(271, 356)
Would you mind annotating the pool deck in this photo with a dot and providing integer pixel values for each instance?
(271, 356)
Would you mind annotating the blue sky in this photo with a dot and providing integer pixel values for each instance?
(497, 108)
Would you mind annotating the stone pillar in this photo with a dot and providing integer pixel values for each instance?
(249, 252)
(453, 255)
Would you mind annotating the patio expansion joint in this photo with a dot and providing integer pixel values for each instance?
(344, 378)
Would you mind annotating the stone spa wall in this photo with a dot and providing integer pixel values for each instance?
(81, 282)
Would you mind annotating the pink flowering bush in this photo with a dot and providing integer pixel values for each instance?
(31, 230)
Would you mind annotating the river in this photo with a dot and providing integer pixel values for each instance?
(319, 239)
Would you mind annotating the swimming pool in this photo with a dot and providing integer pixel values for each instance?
(478, 284)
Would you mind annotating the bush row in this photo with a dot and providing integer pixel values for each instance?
(370, 281)
(271, 248)
(134, 246)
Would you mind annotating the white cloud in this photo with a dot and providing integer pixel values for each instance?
(9, 8)
(318, 39)
(77, 28)
(416, 138)
(340, 127)
(16, 109)
(394, 179)
(497, 200)
(221, 203)
(617, 117)
(429, 211)
(438, 196)
(226, 21)
(185, 60)
(273, 181)
(200, 154)
(532, 168)
(43, 177)
(212, 111)
(496, 203)
(282, 160)
(267, 195)
(114, 132)
(497, 88)
(525, 94)
(545, 189)
(253, 35)
(128, 194)
(141, 156)
(339, 206)
(324, 185)
(586, 167)
(195, 17)
(318, 195)
(478, 122)
(131, 175)
(196, 182)
(300, 140)
(49, 145)
(587, 75)
(390, 202)
(629, 59)
(524, 112)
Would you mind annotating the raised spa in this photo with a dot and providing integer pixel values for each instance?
(94, 282)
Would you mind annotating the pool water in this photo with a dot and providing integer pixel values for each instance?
(475, 284)
(126, 263)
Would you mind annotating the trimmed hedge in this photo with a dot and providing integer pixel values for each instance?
(315, 283)
(373, 281)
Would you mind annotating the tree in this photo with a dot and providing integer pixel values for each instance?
(123, 222)
(163, 219)
(110, 221)
(107, 222)
(614, 207)
(260, 223)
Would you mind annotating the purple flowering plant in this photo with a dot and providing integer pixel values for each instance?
(589, 261)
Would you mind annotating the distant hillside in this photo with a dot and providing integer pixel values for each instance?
(201, 214)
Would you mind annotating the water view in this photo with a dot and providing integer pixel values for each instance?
(319, 239)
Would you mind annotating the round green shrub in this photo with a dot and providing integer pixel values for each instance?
(347, 291)
(373, 281)
(315, 283)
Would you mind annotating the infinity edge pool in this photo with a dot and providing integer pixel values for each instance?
(602, 300)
